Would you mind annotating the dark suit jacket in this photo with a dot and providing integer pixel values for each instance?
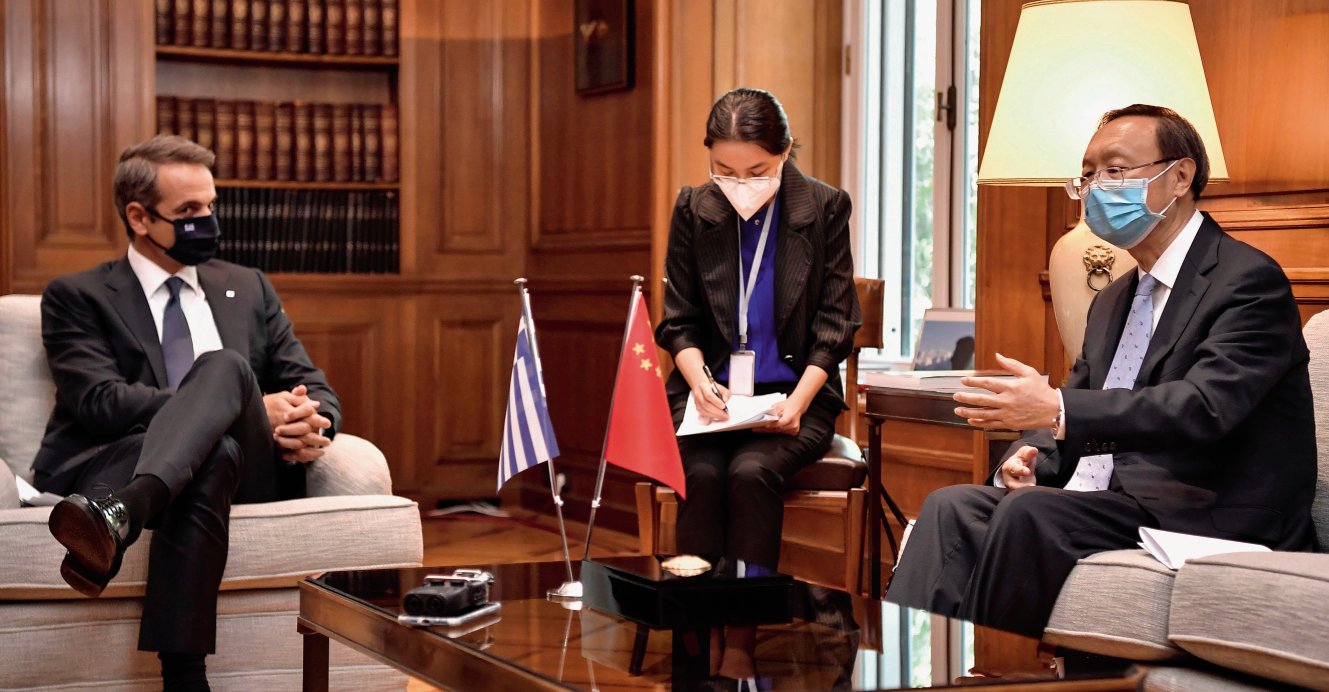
(816, 307)
(106, 359)
(1218, 435)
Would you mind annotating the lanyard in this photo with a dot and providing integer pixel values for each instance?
(745, 291)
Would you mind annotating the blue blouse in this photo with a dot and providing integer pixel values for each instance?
(761, 305)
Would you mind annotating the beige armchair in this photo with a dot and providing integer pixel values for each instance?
(52, 637)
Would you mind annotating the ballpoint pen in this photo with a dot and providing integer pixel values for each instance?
(715, 389)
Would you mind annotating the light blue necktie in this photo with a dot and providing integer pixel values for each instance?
(177, 343)
(1094, 472)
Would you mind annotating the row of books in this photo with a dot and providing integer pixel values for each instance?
(318, 142)
(312, 231)
(332, 27)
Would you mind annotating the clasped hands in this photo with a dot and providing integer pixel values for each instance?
(297, 428)
(711, 407)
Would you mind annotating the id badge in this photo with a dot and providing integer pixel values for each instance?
(742, 366)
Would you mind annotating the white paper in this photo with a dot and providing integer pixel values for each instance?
(744, 412)
(1173, 549)
(25, 490)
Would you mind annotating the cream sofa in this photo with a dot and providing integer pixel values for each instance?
(53, 638)
(1228, 622)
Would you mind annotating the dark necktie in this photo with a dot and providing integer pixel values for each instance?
(1094, 472)
(177, 344)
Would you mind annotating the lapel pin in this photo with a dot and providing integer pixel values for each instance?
(230, 294)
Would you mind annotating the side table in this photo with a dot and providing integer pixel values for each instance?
(935, 407)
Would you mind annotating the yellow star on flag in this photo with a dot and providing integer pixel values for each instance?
(638, 349)
(658, 373)
(645, 363)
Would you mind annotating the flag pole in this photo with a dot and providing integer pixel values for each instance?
(570, 589)
(600, 476)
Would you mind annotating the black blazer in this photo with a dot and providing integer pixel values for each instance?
(1218, 435)
(106, 359)
(816, 307)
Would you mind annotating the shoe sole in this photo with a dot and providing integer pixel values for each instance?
(85, 535)
(77, 576)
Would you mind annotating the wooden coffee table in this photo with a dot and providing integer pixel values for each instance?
(535, 644)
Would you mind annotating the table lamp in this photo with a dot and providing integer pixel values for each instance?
(1072, 61)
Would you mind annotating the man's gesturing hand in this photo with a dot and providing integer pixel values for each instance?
(1024, 402)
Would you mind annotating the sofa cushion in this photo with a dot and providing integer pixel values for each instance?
(1317, 339)
(272, 544)
(23, 369)
(1189, 678)
(8, 488)
(257, 643)
(1260, 613)
(1129, 620)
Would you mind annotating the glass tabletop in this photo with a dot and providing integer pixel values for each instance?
(835, 641)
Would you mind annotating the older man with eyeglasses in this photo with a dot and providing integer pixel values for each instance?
(1188, 410)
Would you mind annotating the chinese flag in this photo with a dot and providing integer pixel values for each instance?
(641, 430)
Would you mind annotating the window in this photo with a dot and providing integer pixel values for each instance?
(913, 152)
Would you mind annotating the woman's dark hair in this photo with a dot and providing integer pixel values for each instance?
(749, 115)
(1177, 138)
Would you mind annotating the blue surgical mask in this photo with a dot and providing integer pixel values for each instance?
(1120, 215)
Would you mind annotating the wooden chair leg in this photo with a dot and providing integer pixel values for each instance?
(648, 519)
(855, 537)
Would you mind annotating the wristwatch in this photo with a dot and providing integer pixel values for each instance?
(1056, 423)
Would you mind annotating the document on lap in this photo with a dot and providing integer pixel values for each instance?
(1172, 549)
(744, 412)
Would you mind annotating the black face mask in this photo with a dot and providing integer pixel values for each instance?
(196, 238)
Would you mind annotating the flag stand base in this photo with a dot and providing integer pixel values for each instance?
(569, 591)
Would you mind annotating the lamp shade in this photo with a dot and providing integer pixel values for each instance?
(1074, 60)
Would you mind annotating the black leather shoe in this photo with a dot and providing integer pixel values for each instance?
(95, 532)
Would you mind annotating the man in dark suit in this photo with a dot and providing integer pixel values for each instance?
(180, 389)
(1188, 410)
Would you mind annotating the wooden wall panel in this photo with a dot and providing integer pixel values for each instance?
(592, 189)
(793, 49)
(595, 150)
(1266, 61)
(465, 112)
(6, 240)
(76, 92)
(461, 378)
(356, 341)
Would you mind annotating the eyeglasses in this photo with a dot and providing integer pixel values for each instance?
(756, 180)
(1110, 178)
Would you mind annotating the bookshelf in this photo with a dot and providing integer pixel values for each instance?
(298, 98)
(229, 56)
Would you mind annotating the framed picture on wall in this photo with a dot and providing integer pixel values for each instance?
(602, 33)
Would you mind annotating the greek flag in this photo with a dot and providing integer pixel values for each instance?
(528, 436)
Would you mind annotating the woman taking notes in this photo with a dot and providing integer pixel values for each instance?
(760, 291)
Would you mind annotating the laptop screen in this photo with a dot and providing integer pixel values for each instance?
(946, 340)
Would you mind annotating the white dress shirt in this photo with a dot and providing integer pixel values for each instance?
(202, 326)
